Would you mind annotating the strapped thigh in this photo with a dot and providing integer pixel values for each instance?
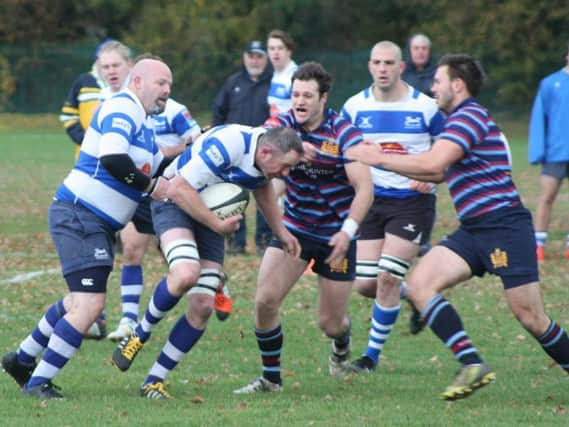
(366, 269)
(181, 250)
(397, 267)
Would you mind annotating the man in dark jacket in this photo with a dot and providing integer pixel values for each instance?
(420, 68)
(243, 100)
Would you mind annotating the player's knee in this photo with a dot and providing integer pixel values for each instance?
(388, 280)
(133, 254)
(200, 307)
(182, 277)
(532, 318)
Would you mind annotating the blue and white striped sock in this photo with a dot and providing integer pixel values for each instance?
(181, 340)
(540, 238)
(131, 288)
(162, 301)
(62, 346)
(38, 340)
(382, 321)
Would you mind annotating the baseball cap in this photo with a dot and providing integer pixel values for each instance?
(255, 46)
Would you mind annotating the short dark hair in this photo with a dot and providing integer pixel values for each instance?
(467, 68)
(284, 139)
(314, 71)
(284, 37)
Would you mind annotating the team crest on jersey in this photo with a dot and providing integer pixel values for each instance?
(364, 122)
(120, 123)
(499, 258)
(413, 122)
(330, 147)
(392, 148)
(340, 267)
(215, 155)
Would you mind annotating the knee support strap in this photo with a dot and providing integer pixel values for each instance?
(366, 269)
(209, 281)
(182, 250)
(397, 267)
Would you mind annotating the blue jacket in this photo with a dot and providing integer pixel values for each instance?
(549, 123)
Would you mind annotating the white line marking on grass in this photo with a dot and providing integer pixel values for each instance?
(24, 277)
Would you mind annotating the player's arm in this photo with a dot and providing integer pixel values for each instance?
(181, 192)
(428, 166)
(266, 202)
(359, 176)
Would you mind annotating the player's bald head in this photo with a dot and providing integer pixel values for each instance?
(148, 67)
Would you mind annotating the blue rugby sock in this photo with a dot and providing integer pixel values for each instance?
(446, 324)
(382, 322)
(38, 340)
(132, 281)
(62, 346)
(162, 301)
(181, 340)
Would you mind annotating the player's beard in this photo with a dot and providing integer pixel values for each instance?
(157, 108)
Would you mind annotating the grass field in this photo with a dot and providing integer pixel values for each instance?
(529, 390)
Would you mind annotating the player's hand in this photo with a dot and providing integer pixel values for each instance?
(159, 188)
(421, 186)
(291, 245)
(310, 152)
(340, 243)
(229, 225)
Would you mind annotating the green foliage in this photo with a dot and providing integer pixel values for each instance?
(517, 41)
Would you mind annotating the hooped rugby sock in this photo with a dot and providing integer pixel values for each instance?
(38, 340)
(181, 340)
(555, 342)
(62, 346)
(270, 344)
(162, 301)
(382, 321)
(132, 281)
(446, 324)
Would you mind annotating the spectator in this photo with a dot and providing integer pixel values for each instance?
(420, 68)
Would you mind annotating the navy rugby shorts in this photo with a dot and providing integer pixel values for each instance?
(82, 239)
(319, 251)
(501, 242)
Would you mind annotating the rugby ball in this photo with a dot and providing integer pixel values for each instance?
(225, 199)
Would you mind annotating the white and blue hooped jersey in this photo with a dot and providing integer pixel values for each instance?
(119, 126)
(174, 125)
(403, 127)
(225, 153)
(279, 97)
